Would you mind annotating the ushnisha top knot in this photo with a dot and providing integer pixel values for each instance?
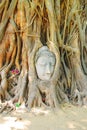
(43, 51)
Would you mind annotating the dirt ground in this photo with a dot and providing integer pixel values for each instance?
(68, 118)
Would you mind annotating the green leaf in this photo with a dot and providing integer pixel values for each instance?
(18, 104)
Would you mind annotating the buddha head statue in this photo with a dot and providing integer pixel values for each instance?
(45, 62)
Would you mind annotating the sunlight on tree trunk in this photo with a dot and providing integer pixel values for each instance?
(26, 26)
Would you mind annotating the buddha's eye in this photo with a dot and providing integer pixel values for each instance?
(52, 63)
(43, 64)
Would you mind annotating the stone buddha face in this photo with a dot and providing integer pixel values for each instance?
(45, 63)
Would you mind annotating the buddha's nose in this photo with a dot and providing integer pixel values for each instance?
(48, 69)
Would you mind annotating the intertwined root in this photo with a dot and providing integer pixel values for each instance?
(26, 25)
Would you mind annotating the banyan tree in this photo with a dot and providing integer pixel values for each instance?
(60, 26)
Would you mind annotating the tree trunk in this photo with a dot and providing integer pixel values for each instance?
(25, 27)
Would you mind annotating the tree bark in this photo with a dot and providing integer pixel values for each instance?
(27, 25)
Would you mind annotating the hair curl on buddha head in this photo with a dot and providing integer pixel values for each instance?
(43, 51)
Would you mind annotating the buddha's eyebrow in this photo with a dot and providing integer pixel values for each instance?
(43, 63)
